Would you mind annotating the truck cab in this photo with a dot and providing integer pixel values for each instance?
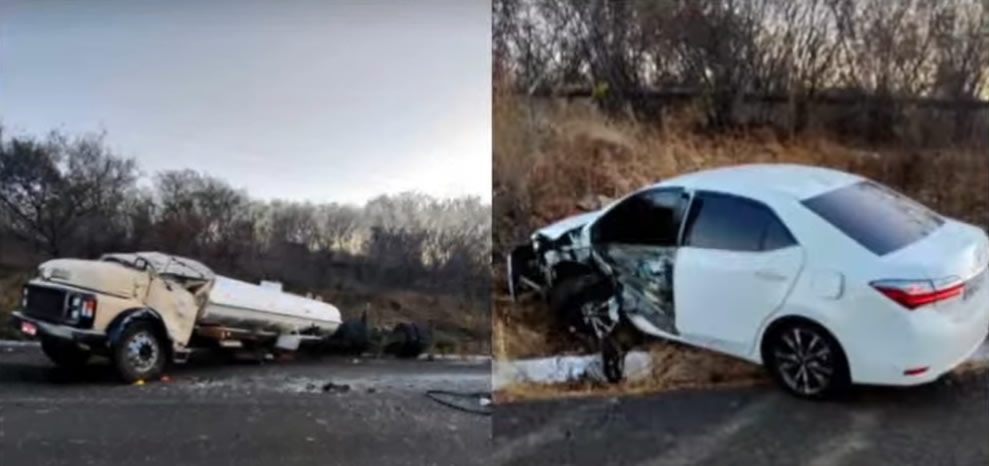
(139, 310)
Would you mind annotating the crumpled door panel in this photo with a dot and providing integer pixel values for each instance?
(645, 274)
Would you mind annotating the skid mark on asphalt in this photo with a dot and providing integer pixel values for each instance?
(699, 448)
(837, 450)
(549, 433)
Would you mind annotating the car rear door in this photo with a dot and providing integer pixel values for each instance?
(637, 241)
(737, 263)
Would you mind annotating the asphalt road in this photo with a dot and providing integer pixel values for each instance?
(243, 414)
(946, 423)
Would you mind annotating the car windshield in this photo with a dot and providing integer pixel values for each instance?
(878, 218)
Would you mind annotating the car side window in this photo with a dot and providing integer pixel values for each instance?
(649, 218)
(722, 221)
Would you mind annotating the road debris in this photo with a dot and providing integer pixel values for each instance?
(468, 402)
(335, 388)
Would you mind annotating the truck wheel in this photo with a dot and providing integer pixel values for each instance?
(352, 337)
(406, 341)
(139, 353)
(64, 354)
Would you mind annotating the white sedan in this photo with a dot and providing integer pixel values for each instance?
(824, 277)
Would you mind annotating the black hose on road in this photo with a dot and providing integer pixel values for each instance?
(480, 400)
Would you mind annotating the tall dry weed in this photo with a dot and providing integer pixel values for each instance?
(547, 156)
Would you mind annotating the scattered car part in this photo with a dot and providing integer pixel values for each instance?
(612, 359)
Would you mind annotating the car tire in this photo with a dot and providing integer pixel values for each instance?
(63, 354)
(567, 298)
(806, 360)
(140, 353)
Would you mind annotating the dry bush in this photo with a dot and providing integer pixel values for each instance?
(11, 282)
(550, 155)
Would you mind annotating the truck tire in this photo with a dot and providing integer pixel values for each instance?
(64, 354)
(352, 338)
(406, 341)
(140, 353)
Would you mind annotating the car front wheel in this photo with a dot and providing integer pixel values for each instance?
(806, 361)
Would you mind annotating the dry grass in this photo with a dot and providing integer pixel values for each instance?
(547, 156)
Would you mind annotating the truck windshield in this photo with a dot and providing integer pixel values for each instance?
(876, 217)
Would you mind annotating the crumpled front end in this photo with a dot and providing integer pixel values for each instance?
(531, 267)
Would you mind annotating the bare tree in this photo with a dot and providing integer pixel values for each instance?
(48, 188)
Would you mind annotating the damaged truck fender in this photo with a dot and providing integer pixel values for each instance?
(120, 323)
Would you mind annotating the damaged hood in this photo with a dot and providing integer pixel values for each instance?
(99, 276)
(557, 229)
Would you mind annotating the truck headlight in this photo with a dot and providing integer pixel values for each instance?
(82, 309)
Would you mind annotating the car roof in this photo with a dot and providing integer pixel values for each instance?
(759, 180)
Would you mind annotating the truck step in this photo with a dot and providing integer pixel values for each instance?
(181, 356)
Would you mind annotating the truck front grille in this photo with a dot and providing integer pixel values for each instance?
(45, 303)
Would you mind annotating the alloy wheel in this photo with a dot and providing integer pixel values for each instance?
(804, 360)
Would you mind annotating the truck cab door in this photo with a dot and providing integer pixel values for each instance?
(176, 306)
(636, 241)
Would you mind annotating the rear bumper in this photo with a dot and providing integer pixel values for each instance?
(930, 343)
(89, 338)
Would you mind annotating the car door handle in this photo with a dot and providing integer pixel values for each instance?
(770, 275)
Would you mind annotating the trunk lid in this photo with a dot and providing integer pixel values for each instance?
(954, 253)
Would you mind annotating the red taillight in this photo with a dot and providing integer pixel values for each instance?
(915, 371)
(912, 294)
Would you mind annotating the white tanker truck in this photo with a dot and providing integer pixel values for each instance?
(144, 310)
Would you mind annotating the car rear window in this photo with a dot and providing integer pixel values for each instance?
(876, 217)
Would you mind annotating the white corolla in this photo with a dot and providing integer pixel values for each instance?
(824, 277)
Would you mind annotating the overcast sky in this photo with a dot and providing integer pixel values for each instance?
(297, 99)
